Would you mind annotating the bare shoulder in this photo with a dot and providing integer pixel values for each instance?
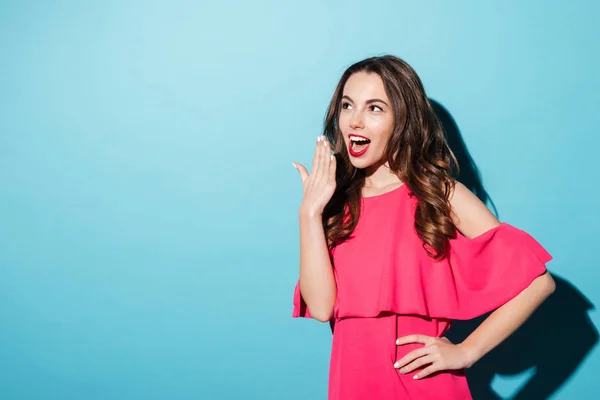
(469, 214)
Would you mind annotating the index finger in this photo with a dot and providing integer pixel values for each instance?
(413, 339)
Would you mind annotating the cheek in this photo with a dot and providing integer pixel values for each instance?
(382, 131)
(343, 120)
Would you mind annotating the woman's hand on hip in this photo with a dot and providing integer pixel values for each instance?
(438, 353)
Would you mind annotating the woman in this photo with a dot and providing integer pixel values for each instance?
(393, 248)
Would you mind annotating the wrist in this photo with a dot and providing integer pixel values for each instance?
(471, 354)
(307, 212)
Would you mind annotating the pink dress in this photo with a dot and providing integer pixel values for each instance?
(388, 287)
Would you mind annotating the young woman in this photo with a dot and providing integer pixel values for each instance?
(393, 248)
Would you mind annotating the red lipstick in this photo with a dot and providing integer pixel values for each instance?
(351, 150)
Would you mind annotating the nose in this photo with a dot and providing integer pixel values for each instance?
(356, 121)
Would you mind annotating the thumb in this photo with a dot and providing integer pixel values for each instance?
(302, 170)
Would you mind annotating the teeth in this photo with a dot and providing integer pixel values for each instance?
(357, 139)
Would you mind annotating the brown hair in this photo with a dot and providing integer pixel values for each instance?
(417, 152)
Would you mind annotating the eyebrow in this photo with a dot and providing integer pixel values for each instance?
(368, 101)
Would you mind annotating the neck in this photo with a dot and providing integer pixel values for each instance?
(380, 176)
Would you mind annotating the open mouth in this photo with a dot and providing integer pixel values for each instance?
(358, 145)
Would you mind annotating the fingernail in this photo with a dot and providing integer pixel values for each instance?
(318, 138)
(416, 377)
(397, 341)
(396, 364)
(332, 157)
(294, 164)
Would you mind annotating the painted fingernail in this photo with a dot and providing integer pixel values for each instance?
(397, 341)
(332, 157)
(397, 364)
(318, 138)
(416, 377)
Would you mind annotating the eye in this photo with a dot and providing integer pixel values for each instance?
(374, 106)
(344, 104)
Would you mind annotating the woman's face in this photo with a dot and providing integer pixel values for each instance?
(366, 113)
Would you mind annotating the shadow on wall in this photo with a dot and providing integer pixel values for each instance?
(469, 174)
(554, 341)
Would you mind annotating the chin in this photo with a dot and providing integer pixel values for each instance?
(361, 163)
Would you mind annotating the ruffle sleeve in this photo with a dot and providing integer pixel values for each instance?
(300, 308)
(485, 272)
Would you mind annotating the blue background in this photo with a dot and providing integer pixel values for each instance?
(148, 205)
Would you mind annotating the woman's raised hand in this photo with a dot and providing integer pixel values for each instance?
(319, 186)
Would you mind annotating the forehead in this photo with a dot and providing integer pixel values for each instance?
(363, 86)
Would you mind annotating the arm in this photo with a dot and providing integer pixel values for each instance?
(473, 218)
(317, 283)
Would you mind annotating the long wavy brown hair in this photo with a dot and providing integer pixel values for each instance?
(417, 152)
